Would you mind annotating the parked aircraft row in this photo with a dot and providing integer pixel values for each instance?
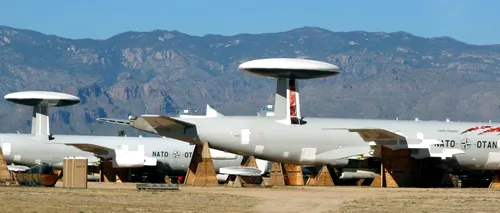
(277, 133)
(288, 137)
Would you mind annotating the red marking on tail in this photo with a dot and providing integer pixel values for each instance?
(475, 128)
(496, 129)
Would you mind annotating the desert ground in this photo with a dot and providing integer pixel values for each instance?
(123, 197)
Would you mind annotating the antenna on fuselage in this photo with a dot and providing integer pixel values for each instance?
(41, 101)
(288, 71)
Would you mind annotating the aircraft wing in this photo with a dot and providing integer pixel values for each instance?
(156, 121)
(393, 140)
(157, 124)
(167, 123)
(115, 121)
(377, 134)
(165, 126)
(161, 125)
(105, 152)
(396, 140)
(96, 149)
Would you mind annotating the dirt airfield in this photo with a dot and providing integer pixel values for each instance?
(123, 197)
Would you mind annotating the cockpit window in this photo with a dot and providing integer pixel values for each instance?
(268, 108)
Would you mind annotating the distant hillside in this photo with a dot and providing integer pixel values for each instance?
(384, 75)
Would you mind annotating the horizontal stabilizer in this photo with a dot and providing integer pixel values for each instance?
(166, 123)
(240, 170)
(114, 121)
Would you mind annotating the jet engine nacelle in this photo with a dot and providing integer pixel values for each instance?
(220, 155)
(127, 159)
(339, 162)
(221, 178)
(357, 174)
(264, 166)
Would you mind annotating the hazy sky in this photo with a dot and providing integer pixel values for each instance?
(473, 21)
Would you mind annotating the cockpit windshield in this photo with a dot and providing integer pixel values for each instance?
(268, 108)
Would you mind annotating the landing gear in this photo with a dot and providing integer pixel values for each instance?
(474, 179)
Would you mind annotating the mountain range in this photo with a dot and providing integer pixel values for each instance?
(383, 75)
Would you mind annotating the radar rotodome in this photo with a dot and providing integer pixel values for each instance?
(42, 98)
(291, 68)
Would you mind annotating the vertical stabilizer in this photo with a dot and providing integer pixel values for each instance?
(211, 112)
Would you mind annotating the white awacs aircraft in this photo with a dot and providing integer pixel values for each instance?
(163, 156)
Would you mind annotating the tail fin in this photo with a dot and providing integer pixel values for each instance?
(211, 112)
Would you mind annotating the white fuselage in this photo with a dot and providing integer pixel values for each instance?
(172, 156)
